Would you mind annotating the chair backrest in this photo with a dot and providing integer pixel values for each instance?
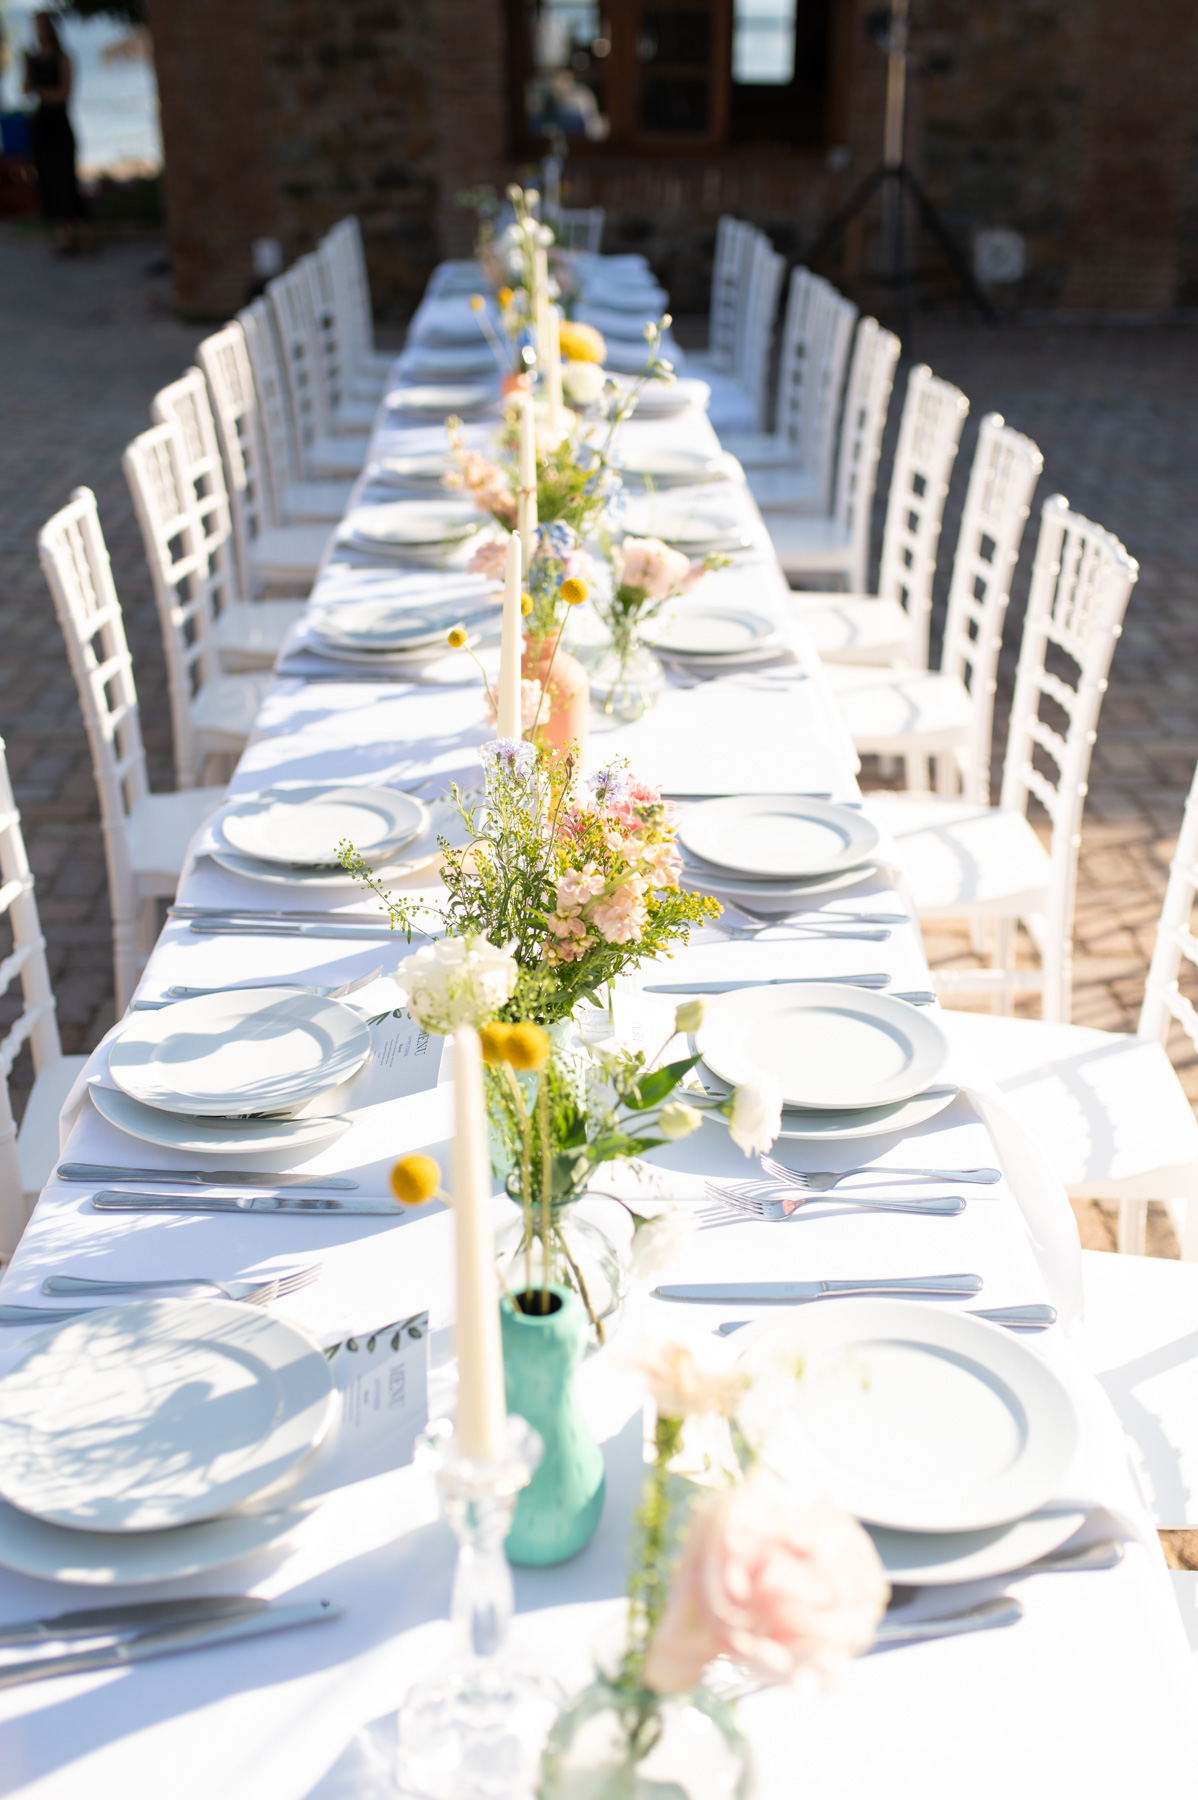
(755, 329)
(929, 434)
(302, 355)
(183, 574)
(579, 227)
(348, 235)
(1006, 468)
(339, 352)
(1175, 939)
(816, 335)
(186, 405)
(75, 563)
(36, 1024)
(226, 364)
(733, 248)
(1081, 582)
(280, 446)
(866, 401)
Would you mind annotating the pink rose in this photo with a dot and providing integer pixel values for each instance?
(652, 567)
(773, 1584)
(489, 559)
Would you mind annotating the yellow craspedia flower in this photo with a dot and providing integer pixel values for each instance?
(504, 297)
(581, 343)
(457, 638)
(573, 591)
(494, 1039)
(477, 302)
(415, 1179)
(527, 1046)
(525, 604)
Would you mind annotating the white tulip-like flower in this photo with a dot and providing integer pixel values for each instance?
(582, 382)
(678, 1120)
(658, 1241)
(457, 981)
(690, 1015)
(755, 1119)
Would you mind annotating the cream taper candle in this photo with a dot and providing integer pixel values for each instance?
(526, 511)
(482, 1407)
(507, 717)
(553, 373)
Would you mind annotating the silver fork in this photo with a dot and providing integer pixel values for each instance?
(756, 1200)
(818, 1180)
(253, 1293)
(818, 912)
(246, 987)
(812, 930)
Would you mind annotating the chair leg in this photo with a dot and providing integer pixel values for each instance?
(1003, 1002)
(977, 936)
(916, 770)
(1189, 1234)
(1132, 1238)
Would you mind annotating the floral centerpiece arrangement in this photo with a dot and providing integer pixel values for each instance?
(736, 1566)
(645, 575)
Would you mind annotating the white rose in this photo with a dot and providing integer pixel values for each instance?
(582, 382)
(457, 980)
(755, 1119)
(657, 1242)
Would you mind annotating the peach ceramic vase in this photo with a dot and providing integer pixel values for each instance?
(565, 710)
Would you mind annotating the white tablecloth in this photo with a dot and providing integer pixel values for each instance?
(1092, 1694)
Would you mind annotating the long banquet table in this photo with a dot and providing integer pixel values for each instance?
(1091, 1693)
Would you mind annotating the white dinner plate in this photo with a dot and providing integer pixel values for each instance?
(423, 468)
(380, 625)
(299, 1137)
(246, 1051)
(444, 822)
(670, 464)
(712, 667)
(712, 629)
(663, 400)
(442, 398)
(700, 875)
(822, 1045)
(125, 1559)
(448, 364)
(784, 836)
(932, 1558)
(156, 1413)
(915, 1417)
(694, 529)
(305, 825)
(807, 1127)
(416, 524)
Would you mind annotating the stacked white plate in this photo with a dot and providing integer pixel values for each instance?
(130, 1436)
(289, 837)
(422, 469)
(706, 636)
(665, 465)
(439, 399)
(392, 632)
(416, 530)
(694, 526)
(944, 1434)
(427, 363)
(663, 399)
(780, 846)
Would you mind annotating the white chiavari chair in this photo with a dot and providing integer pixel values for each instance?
(293, 500)
(739, 400)
(212, 714)
(372, 367)
(578, 227)
(317, 451)
(223, 463)
(966, 859)
(836, 544)
(729, 274)
(891, 627)
(26, 1156)
(800, 452)
(145, 835)
(350, 410)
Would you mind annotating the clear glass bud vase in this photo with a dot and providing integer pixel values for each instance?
(617, 1741)
(582, 1257)
(628, 679)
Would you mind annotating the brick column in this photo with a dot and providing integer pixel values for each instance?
(219, 193)
(470, 73)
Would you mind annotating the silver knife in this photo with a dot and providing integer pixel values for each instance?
(987, 1615)
(98, 1621)
(200, 1177)
(256, 912)
(880, 979)
(110, 1200)
(169, 1642)
(715, 1293)
(285, 928)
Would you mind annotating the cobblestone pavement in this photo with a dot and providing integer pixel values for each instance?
(84, 345)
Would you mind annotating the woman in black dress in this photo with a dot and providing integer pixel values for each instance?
(48, 79)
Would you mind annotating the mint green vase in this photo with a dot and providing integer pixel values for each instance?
(558, 1512)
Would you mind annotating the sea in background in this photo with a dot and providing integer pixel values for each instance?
(114, 103)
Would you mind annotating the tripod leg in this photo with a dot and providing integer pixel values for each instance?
(833, 231)
(939, 230)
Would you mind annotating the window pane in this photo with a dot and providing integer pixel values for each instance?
(763, 42)
(566, 91)
(680, 106)
(676, 37)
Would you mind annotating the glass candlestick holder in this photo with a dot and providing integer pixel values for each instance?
(475, 1730)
